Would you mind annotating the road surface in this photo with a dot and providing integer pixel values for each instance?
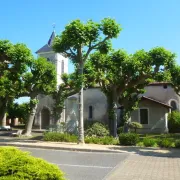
(81, 165)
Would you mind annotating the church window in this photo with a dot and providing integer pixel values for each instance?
(173, 105)
(90, 112)
(143, 113)
(62, 67)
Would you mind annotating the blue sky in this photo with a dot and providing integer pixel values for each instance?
(145, 23)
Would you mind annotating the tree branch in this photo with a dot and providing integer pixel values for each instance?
(72, 52)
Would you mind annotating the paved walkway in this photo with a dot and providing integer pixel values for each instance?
(139, 167)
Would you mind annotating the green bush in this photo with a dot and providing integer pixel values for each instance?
(107, 140)
(60, 137)
(97, 129)
(120, 130)
(174, 122)
(167, 143)
(149, 142)
(177, 143)
(17, 165)
(135, 126)
(88, 124)
(128, 139)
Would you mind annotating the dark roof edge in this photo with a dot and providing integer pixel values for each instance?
(156, 101)
(159, 83)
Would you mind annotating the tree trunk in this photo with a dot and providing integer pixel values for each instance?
(112, 110)
(126, 117)
(3, 108)
(116, 105)
(81, 119)
(3, 116)
(115, 119)
(28, 127)
(110, 114)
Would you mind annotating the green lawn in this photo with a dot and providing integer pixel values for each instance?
(162, 140)
(172, 137)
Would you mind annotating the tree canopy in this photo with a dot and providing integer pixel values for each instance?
(78, 40)
(14, 61)
(122, 77)
(40, 79)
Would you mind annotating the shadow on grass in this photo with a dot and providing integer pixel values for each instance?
(145, 151)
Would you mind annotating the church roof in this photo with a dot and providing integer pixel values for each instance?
(156, 101)
(47, 47)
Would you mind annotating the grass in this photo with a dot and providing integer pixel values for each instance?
(160, 139)
(172, 137)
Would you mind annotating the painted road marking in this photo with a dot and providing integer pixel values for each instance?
(85, 166)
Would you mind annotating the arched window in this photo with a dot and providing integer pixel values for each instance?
(62, 67)
(90, 112)
(173, 105)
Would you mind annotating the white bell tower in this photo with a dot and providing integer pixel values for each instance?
(44, 115)
(60, 61)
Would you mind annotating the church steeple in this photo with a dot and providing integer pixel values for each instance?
(60, 61)
(47, 47)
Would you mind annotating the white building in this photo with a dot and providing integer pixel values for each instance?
(157, 102)
(43, 117)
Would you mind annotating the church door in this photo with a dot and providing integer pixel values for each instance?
(45, 118)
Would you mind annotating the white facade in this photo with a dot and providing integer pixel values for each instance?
(44, 114)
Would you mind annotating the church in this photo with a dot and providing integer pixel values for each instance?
(158, 100)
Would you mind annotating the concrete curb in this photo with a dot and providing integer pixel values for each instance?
(62, 148)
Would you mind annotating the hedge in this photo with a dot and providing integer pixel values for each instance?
(18, 165)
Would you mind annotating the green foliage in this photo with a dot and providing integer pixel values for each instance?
(120, 130)
(167, 143)
(97, 129)
(79, 39)
(70, 86)
(123, 77)
(149, 142)
(20, 111)
(128, 139)
(16, 164)
(174, 122)
(88, 124)
(59, 137)
(40, 80)
(14, 62)
(177, 143)
(106, 140)
(175, 77)
(135, 126)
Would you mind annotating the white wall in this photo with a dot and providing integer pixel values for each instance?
(92, 97)
(160, 93)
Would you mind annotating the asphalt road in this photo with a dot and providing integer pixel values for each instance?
(81, 165)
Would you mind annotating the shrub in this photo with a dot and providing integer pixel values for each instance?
(177, 143)
(60, 137)
(88, 124)
(16, 164)
(120, 130)
(97, 129)
(149, 142)
(128, 139)
(164, 143)
(108, 140)
(135, 126)
(174, 122)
